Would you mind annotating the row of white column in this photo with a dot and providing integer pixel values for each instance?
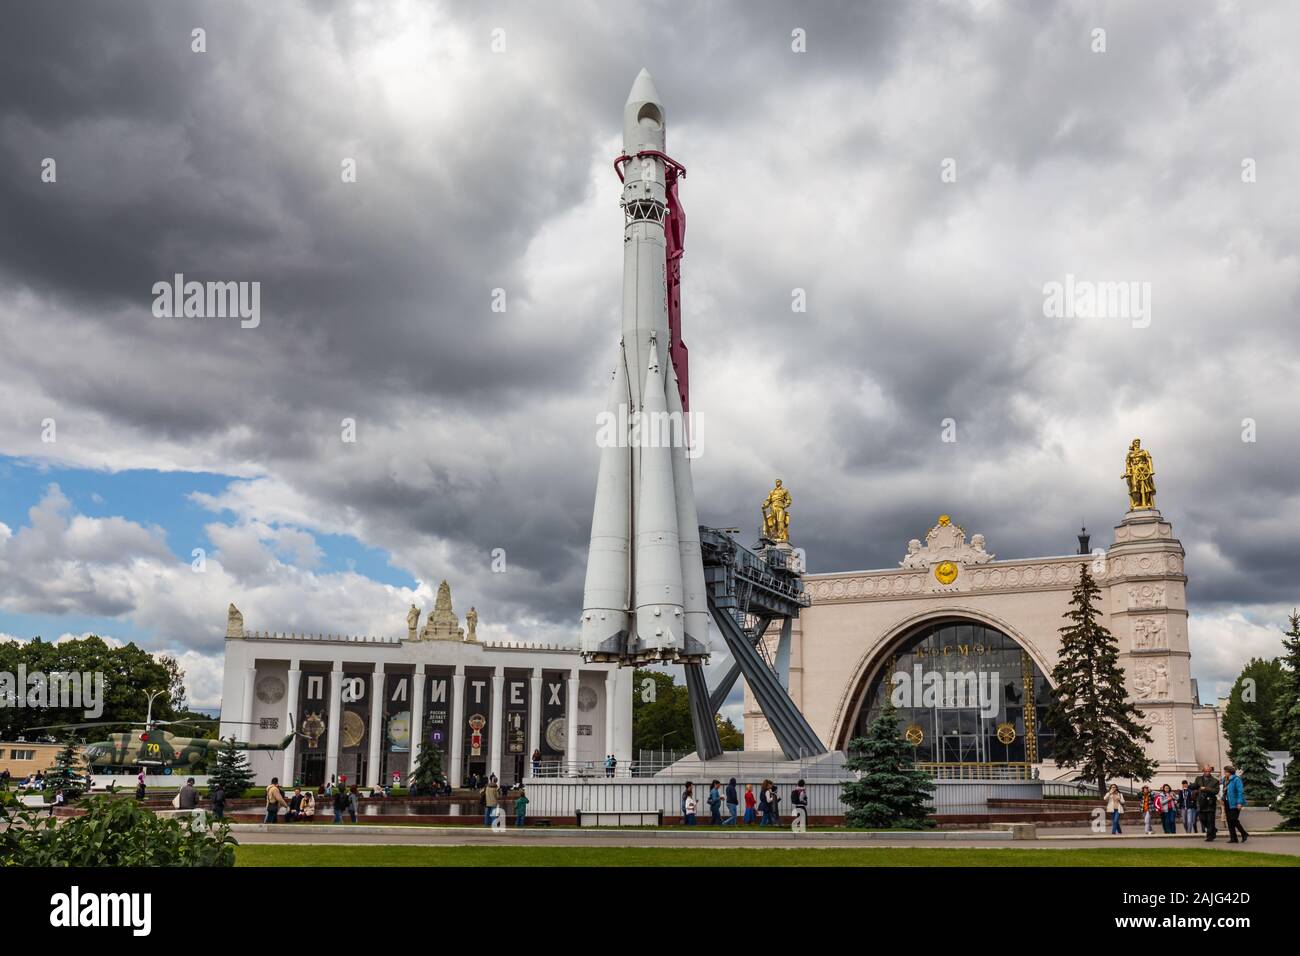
(456, 719)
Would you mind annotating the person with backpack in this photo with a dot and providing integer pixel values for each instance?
(749, 803)
(340, 799)
(217, 794)
(1145, 806)
(799, 800)
(274, 800)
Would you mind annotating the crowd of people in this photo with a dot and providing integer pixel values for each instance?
(723, 801)
(1195, 803)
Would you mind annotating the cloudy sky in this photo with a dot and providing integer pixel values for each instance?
(917, 172)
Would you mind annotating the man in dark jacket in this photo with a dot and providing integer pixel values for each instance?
(1207, 797)
(733, 803)
(189, 797)
(218, 795)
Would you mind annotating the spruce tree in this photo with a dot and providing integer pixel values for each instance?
(69, 772)
(890, 791)
(1097, 729)
(427, 776)
(232, 771)
(1288, 714)
(1250, 759)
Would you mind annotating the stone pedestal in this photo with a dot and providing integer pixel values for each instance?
(1145, 597)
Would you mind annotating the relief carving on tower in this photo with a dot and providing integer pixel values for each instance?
(1149, 634)
(1151, 681)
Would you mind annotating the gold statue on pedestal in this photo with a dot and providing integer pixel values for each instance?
(1140, 473)
(776, 513)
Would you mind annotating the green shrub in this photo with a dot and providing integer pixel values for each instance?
(109, 833)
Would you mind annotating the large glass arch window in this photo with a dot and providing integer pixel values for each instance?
(967, 695)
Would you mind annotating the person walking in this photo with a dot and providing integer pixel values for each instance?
(1115, 807)
(491, 797)
(688, 805)
(340, 802)
(537, 762)
(799, 801)
(715, 803)
(521, 806)
(1234, 798)
(1207, 796)
(217, 794)
(354, 803)
(274, 800)
(774, 805)
(140, 788)
(733, 803)
(749, 803)
(1145, 806)
(1166, 802)
(1187, 801)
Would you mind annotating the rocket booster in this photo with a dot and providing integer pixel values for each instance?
(644, 598)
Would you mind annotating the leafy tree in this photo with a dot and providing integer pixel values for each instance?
(127, 672)
(1250, 759)
(661, 716)
(1257, 699)
(660, 710)
(109, 832)
(1288, 714)
(732, 738)
(428, 774)
(69, 772)
(1097, 729)
(890, 791)
(232, 771)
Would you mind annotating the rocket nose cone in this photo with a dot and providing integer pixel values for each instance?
(643, 89)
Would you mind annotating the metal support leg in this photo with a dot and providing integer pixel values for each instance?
(707, 743)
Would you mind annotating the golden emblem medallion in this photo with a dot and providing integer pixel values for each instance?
(1006, 733)
(914, 734)
(945, 572)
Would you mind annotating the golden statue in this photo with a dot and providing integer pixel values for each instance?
(1140, 474)
(776, 514)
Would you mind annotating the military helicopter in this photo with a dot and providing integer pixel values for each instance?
(152, 747)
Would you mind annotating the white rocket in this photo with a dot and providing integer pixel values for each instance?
(644, 598)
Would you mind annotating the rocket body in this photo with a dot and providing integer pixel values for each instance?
(644, 598)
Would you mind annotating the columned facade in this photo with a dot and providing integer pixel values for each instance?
(361, 706)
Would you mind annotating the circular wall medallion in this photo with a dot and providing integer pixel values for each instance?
(1006, 733)
(557, 734)
(914, 734)
(352, 729)
(270, 690)
(587, 699)
(945, 572)
(399, 730)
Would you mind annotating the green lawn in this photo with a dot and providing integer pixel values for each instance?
(303, 855)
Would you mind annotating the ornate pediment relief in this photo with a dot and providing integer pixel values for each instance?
(945, 542)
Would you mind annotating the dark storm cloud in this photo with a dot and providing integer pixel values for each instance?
(816, 171)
